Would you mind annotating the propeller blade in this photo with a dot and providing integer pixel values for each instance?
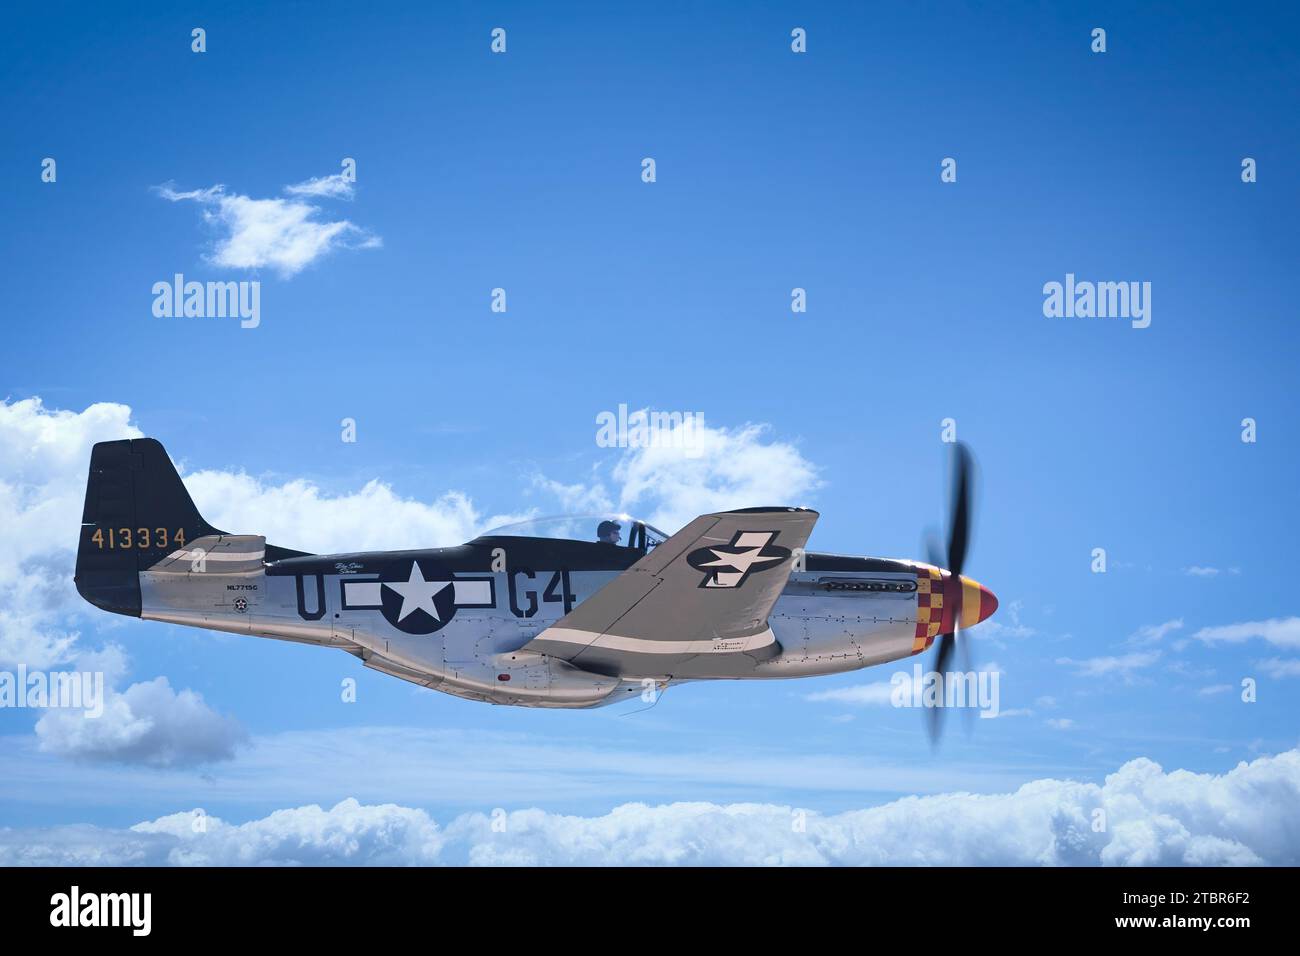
(968, 667)
(942, 655)
(959, 521)
(959, 517)
(934, 725)
(967, 664)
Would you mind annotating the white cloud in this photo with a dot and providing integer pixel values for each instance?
(1280, 667)
(1281, 632)
(148, 723)
(44, 457)
(385, 835)
(1213, 689)
(1154, 633)
(1122, 666)
(577, 498)
(347, 834)
(1060, 723)
(297, 514)
(663, 484)
(727, 468)
(328, 187)
(1152, 818)
(706, 469)
(283, 234)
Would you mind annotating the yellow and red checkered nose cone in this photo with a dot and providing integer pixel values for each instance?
(940, 598)
(977, 602)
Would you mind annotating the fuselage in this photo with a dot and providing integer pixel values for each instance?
(458, 619)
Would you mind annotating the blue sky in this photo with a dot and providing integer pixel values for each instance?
(774, 170)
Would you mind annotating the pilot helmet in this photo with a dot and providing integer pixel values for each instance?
(606, 527)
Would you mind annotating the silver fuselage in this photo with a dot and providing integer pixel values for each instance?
(478, 653)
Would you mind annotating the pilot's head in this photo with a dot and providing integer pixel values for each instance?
(609, 532)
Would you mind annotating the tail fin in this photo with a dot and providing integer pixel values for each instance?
(137, 513)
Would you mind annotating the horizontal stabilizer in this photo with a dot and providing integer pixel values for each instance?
(216, 554)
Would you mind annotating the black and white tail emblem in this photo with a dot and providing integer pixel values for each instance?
(730, 565)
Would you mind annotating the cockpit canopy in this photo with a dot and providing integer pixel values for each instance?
(622, 530)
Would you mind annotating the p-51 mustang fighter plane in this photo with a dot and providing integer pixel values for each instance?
(560, 612)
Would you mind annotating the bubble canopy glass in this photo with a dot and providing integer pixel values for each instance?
(633, 532)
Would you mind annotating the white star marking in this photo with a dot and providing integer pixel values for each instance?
(417, 593)
(741, 562)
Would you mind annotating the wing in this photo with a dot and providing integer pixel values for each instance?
(695, 606)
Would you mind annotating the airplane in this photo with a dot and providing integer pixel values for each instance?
(568, 612)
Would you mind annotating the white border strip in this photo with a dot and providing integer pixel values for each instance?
(648, 645)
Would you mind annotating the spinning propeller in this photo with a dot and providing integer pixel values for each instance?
(965, 600)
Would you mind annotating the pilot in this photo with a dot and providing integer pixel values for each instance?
(609, 532)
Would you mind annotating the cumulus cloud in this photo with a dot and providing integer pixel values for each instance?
(1140, 815)
(384, 835)
(148, 723)
(696, 469)
(1281, 632)
(44, 455)
(297, 514)
(576, 498)
(347, 834)
(283, 234)
(725, 468)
